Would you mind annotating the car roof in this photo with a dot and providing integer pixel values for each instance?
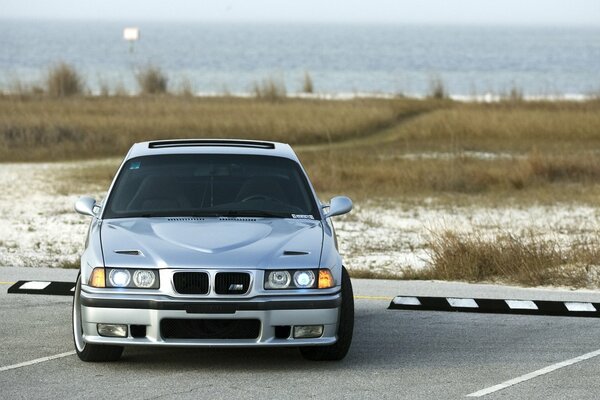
(212, 146)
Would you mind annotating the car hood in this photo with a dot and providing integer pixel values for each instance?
(246, 243)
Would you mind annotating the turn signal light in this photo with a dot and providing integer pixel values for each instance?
(325, 279)
(97, 278)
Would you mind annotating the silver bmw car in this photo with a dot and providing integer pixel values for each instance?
(212, 243)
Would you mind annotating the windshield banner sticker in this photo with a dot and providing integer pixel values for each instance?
(302, 216)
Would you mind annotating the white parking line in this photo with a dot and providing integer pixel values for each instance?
(36, 361)
(534, 374)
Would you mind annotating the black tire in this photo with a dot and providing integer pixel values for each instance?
(339, 349)
(86, 351)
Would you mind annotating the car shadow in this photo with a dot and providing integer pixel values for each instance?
(370, 337)
(383, 339)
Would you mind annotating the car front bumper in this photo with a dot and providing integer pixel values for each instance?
(149, 311)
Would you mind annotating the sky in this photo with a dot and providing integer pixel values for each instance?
(511, 12)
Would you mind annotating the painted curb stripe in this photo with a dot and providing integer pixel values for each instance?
(36, 361)
(572, 306)
(462, 303)
(43, 288)
(534, 374)
(521, 304)
(497, 306)
(34, 285)
(407, 301)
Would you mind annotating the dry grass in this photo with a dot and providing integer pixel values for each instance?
(515, 94)
(308, 85)
(151, 80)
(85, 178)
(392, 148)
(39, 128)
(535, 178)
(63, 81)
(270, 89)
(516, 127)
(437, 89)
(186, 88)
(370, 274)
(70, 264)
(500, 150)
(528, 261)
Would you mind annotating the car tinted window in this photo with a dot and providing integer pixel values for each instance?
(210, 185)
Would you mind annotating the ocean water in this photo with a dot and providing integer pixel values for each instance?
(340, 58)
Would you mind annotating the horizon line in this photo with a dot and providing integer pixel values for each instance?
(129, 20)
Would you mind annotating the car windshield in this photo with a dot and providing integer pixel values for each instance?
(211, 185)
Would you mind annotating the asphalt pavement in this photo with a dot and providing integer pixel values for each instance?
(394, 354)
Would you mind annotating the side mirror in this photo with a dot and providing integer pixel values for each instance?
(339, 205)
(85, 206)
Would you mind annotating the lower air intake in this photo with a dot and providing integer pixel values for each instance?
(210, 328)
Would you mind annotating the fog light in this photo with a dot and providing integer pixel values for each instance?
(119, 277)
(144, 278)
(308, 331)
(112, 330)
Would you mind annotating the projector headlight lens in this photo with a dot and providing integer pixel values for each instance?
(304, 279)
(144, 278)
(119, 277)
(278, 280)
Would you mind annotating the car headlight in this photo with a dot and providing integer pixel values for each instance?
(278, 280)
(119, 277)
(124, 278)
(296, 279)
(144, 278)
(304, 279)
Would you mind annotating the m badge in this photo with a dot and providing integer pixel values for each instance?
(236, 287)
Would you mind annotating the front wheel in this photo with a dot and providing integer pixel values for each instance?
(86, 351)
(339, 349)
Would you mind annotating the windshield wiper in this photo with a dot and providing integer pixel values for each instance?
(174, 214)
(255, 213)
(145, 215)
(203, 214)
(215, 214)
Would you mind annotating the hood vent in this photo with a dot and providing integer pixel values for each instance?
(129, 252)
(185, 219)
(295, 253)
(237, 219)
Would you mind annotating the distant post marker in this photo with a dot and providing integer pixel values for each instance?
(131, 35)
